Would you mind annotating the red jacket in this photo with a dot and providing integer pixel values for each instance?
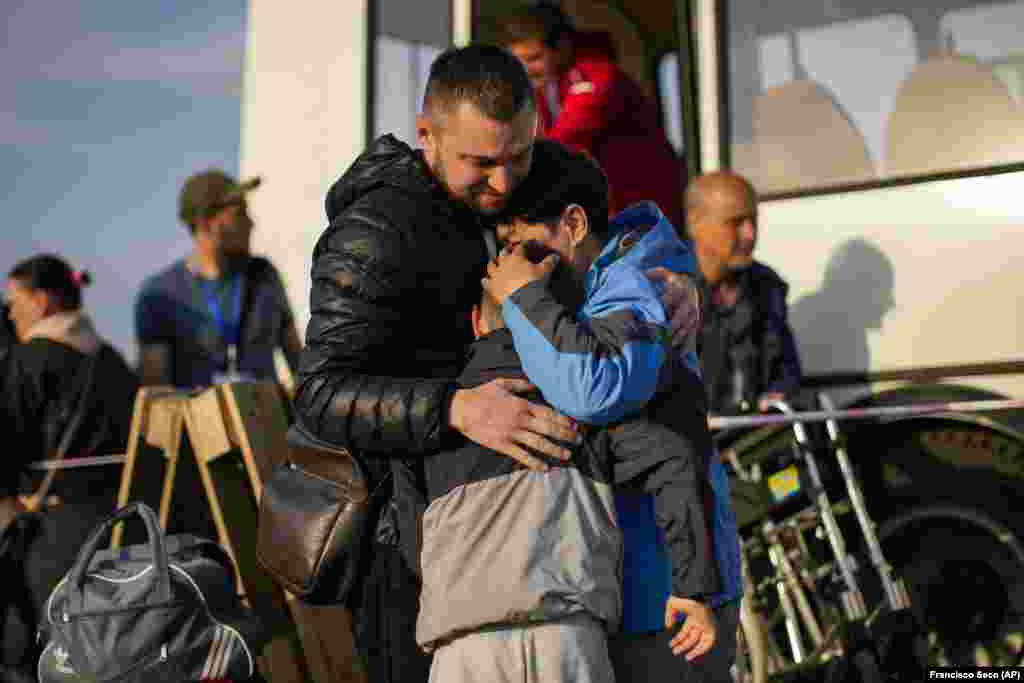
(603, 112)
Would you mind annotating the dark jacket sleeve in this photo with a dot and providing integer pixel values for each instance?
(21, 412)
(362, 270)
(670, 465)
(780, 364)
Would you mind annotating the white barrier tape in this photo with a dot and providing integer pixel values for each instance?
(717, 422)
(68, 463)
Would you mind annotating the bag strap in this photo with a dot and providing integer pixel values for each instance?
(83, 395)
(161, 574)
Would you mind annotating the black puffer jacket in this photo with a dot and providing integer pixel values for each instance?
(395, 276)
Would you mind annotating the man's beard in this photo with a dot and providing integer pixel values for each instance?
(468, 201)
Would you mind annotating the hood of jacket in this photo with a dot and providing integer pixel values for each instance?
(387, 162)
(71, 328)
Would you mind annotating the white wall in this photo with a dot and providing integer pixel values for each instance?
(955, 249)
(304, 96)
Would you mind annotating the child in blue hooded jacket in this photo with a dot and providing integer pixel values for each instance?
(611, 357)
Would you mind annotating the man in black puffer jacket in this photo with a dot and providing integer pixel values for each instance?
(395, 277)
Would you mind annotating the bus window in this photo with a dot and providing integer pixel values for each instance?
(407, 38)
(992, 34)
(828, 94)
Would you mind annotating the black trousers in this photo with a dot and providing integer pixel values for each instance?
(647, 657)
(384, 620)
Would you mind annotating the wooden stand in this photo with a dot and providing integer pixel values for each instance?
(237, 436)
(158, 420)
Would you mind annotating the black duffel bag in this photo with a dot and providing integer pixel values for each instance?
(167, 612)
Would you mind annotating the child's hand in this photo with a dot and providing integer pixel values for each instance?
(513, 269)
(698, 632)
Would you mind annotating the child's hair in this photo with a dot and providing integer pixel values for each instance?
(559, 177)
(490, 312)
(52, 274)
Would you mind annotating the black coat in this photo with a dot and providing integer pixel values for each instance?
(40, 378)
(395, 276)
(748, 349)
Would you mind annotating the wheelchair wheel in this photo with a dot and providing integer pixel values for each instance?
(965, 574)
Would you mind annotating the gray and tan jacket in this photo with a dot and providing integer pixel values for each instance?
(504, 545)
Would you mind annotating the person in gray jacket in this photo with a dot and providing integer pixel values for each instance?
(522, 569)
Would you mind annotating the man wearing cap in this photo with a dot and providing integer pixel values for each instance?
(218, 314)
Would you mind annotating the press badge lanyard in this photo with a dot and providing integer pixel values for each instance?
(229, 331)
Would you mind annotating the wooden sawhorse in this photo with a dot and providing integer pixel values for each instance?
(237, 435)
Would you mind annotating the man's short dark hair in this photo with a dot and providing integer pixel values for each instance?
(489, 77)
(559, 177)
(544, 22)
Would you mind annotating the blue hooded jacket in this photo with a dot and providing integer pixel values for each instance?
(605, 363)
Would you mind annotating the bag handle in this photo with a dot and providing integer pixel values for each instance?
(161, 576)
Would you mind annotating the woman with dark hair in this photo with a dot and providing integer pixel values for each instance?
(41, 374)
(43, 378)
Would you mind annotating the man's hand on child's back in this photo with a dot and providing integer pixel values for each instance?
(494, 416)
(697, 634)
(681, 298)
(513, 268)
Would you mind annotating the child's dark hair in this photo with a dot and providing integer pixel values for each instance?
(560, 177)
(52, 274)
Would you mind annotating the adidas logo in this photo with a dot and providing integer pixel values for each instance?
(60, 661)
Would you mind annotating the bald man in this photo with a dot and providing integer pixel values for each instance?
(748, 351)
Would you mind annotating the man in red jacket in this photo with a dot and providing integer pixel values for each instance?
(588, 103)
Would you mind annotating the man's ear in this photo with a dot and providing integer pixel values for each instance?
(575, 219)
(474, 319)
(427, 131)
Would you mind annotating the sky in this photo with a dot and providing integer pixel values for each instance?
(105, 109)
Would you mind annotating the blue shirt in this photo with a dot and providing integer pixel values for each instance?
(174, 308)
